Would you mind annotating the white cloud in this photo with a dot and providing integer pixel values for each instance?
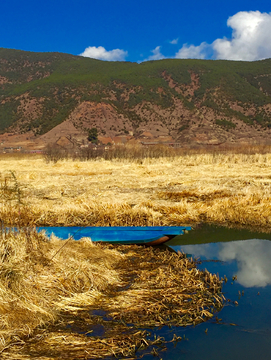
(251, 40)
(251, 37)
(157, 55)
(174, 41)
(192, 51)
(102, 54)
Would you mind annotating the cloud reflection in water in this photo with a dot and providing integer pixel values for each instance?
(253, 259)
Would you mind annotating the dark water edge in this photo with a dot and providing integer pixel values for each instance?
(203, 233)
(242, 329)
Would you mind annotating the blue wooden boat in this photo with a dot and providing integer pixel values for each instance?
(145, 235)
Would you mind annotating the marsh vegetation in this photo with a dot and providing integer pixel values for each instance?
(46, 289)
(49, 286)
(228, 188)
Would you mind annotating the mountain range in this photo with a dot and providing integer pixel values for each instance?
(55, 97)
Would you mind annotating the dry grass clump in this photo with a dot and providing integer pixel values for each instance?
(192, 196)
(35, 279)
(133, 287)
(119, 343)
(163, 288)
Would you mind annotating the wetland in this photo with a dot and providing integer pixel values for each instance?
(92, 301)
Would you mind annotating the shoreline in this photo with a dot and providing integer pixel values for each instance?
(122, 288)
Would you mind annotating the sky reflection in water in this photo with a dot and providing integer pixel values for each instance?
(252, 257)
(244, 331)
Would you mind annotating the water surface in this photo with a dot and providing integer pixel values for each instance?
(244, 331)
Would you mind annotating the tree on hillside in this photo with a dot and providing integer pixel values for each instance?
(93, 135)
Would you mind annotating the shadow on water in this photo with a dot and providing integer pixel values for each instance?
(203, 234)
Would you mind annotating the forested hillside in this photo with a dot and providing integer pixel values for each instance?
(186, 100)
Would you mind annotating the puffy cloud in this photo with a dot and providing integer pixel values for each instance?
(193, 52)
(157, 55)
(251, 37)
(102, 54)
(251, 40)
(174, 41)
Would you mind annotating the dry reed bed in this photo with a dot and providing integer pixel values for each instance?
(230, 189)
(34, 282)
(135, 286)
(164, 288)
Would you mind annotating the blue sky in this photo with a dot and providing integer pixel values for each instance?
(139, 30)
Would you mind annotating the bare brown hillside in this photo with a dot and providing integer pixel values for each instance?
(59, 98)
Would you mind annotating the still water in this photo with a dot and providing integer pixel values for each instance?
(244, 331)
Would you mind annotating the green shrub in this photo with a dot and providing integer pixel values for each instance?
(225, 124)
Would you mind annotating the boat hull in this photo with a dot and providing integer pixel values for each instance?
(145, 235)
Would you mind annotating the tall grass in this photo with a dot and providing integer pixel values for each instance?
(224, 188)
